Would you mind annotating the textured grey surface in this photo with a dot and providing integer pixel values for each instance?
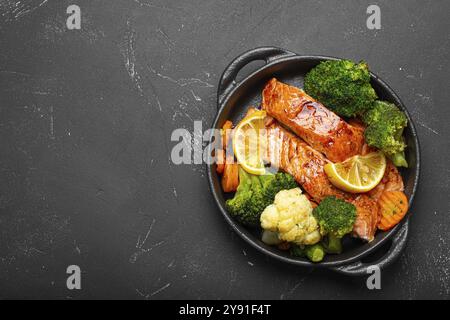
(85, 124)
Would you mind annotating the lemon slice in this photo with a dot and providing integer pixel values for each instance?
(249, 143)
(357, 174)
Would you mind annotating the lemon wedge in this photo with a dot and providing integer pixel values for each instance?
(357, 174)
(249, 143)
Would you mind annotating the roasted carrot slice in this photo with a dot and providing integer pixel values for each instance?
(221, 154)
(226, 133)
(393, 207)
(230, 179)
(227, 125)
(220, 161)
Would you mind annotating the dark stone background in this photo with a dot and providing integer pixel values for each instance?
(85, 124)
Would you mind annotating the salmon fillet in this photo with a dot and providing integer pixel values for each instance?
(310, 120)
(289, 153)
(392, 181)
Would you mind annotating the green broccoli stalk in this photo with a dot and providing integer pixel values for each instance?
(315, 253)
(398, 159)
(385, 125)
(335, 218)
(332, 244)
(255, 193)
(341, 85)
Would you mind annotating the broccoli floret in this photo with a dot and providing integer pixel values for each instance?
(341, 85)
(297, 251)
(255, 193)
(336, 218)
(274, 183)
(315, 252)
(239, 205)
(385, 125)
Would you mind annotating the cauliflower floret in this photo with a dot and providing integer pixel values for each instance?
(269, 221)
(291, 216)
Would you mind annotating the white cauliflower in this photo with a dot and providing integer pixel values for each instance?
(291, 217)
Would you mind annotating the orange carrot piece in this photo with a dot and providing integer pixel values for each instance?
(220, 161)
(393, 207)
(221, 154)
(226, 133)
(227, 125)
(230, 179)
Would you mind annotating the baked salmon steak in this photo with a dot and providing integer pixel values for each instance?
(291, 154)
(392, 181)
(321, 128)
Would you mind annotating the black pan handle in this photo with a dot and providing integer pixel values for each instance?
(361, 269)
(228, 79)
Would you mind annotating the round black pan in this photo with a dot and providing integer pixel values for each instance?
(235, 97)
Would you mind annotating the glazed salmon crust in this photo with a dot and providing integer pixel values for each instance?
(322, 129)
(289, 153)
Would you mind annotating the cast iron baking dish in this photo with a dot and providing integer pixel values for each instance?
(235, 97)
